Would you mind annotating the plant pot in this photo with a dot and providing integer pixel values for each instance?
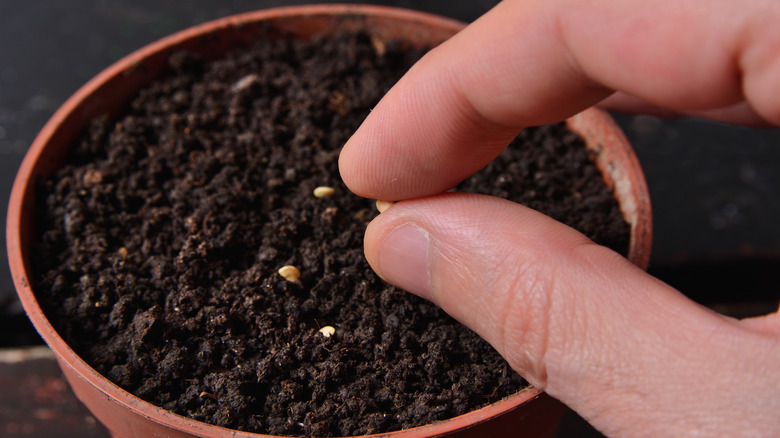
(530, 410)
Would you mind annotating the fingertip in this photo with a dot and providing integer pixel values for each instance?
(376, 232)
(351, 169)
(372, 242)
(376, 161)
(402, 257)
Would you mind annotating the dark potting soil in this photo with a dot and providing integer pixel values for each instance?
(162, 236)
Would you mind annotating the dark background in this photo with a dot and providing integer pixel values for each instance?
(715, 188)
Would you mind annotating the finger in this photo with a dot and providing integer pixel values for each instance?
(460, 105)
(740, 113)
(766, 324)
(536, 61)
(620, 347)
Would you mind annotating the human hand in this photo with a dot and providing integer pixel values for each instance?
(629, 353)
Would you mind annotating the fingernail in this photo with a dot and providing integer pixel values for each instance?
(403, 260)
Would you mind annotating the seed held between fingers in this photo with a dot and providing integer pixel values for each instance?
(290, 273)
(383, 205)
(323, 191)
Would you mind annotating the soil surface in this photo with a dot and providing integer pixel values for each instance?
(161, 239)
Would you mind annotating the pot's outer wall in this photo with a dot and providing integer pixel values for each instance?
(530, 411)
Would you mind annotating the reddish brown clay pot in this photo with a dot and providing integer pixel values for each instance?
(530, 412)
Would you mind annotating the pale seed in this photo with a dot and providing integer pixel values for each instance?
(379, 45)
(205, 394)
(383, 205)
(244, 83)
(289, 272)
(92, 177)
(323, 191)
(328, 331)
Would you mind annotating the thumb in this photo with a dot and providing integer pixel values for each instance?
(626, 351)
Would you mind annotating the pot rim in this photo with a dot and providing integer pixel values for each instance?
(24, 180)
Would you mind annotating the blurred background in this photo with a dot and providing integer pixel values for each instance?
(715, 188)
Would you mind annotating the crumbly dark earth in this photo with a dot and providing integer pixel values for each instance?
(161, 238)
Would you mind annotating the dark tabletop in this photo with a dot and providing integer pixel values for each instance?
(715, 188)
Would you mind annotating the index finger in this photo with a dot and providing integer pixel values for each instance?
(529, 62)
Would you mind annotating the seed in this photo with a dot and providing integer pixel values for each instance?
(379, 46)
(289, 272)
(383, 205)
(328, 331)
(244, 83)
(323, 191)
(205, 394)
(92, 177)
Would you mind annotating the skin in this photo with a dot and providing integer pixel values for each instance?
(630, 354)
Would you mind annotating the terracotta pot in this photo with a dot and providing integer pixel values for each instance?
(530, 411)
